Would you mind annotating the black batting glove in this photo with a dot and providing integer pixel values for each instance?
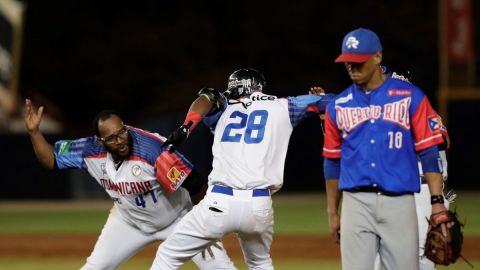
(178, 137)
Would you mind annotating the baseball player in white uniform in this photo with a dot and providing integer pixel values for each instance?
(138, 173)
(251, 135)
(424, 208)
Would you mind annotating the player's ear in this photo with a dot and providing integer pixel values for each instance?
(378, 58)
(99, 140)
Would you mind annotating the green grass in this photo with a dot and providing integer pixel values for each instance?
(460, 265)
(52, 223)
(300, 214)
(468, 205)
(55, 217)
(294, 214)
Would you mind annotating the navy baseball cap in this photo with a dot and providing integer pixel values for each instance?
(359, 45)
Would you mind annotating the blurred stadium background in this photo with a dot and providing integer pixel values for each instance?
(147, 59)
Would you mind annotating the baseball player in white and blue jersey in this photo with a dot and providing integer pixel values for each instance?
(138, 173)
(422, 199)
(374, 131)
(251, 135)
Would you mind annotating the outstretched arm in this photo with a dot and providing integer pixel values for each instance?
(207, 99)
(202, 105)
(43, 149)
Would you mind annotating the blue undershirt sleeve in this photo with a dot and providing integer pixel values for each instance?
(331, 168)
(430, 159)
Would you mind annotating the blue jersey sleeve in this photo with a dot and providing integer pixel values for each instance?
(70, 153)
(211, 120)
(300, 106)
(146, 145)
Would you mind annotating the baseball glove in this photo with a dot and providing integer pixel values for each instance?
(178, 137)
(438, 248)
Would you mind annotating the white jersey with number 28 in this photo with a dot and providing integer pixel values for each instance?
(251, 139)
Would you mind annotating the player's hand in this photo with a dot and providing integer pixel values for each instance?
(178, 137)
(32, 117)
(437, 208)
(210, 251)
(334, 226)
(316, 90)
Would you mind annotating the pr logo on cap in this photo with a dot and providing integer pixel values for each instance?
(352, 42)
(359, 45)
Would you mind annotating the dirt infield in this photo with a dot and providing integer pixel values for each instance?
(285, 247)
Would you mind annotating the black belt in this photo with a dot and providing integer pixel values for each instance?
(376, 190)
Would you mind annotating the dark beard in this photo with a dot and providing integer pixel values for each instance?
(117, 159)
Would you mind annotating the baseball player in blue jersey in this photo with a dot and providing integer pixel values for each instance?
(374, 131)
(251, 135)
(141, 177)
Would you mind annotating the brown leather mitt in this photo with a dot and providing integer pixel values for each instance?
(438, 248)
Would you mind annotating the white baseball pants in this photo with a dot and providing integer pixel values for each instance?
(222, 211)
(119, 241)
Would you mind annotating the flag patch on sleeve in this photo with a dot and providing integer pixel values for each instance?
(64, 148)
(434, 122)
